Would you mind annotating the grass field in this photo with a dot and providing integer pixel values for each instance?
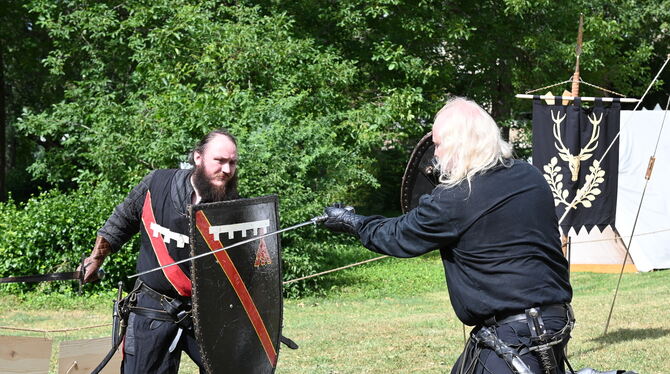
(394, 316)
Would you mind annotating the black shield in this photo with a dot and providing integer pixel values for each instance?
(420, 176)
(237, 293)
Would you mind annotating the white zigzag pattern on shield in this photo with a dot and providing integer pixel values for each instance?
(241, 227)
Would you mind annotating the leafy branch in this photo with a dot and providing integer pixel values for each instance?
(585, 195)
(554, 178)
(588, 192)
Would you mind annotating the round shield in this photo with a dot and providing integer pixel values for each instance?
(420, 176)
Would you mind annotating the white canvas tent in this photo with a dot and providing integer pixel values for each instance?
(596, 251)
(650, 247)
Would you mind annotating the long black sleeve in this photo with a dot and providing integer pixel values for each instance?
(425, 228)
(125, 220)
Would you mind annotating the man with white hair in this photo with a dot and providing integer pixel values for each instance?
(492, 218)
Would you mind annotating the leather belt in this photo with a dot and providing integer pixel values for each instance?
(552, 310)
(174, 310)
(144, 288)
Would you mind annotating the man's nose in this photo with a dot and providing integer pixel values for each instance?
(225, 168)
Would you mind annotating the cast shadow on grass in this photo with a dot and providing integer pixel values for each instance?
(624, 335)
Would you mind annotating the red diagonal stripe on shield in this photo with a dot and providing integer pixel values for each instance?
(238, 284)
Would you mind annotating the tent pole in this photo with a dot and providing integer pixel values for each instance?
(647, 177)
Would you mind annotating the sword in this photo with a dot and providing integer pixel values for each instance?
(119, 325)
(70, 275)
(315, 220)
(78, 275)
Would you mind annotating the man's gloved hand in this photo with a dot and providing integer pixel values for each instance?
(92, 263)
(342, 218)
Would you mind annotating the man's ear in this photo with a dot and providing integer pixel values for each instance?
(197, 158)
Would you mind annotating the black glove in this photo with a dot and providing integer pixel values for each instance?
(342, 218)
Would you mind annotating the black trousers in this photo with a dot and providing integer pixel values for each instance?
(479, 360)
(147, 343)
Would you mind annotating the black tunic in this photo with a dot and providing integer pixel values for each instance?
(171, 194)
(147, 341)
(498, 238)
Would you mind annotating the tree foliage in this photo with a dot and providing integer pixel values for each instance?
(24, 83)
(490, 50)
(144, 81)
(325, 97)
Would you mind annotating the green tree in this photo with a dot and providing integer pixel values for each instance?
(488, 50)
(325, 97)
(144, 80)
(24, 83)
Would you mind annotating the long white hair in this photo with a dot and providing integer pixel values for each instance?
(470, 142)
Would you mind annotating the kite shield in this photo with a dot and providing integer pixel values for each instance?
(237, 294)
(420, 176)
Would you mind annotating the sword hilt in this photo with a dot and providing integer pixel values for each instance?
(116, 317)
(319, 219)
(99, 275)
(322, 218)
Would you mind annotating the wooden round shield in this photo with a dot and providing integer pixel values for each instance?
(420, 176)
(237, 293)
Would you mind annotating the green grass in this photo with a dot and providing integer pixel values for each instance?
(394, 316)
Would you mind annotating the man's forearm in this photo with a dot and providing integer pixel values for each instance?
(101, 249)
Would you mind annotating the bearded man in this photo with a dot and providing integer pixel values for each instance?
(159, 325)
(492, 218)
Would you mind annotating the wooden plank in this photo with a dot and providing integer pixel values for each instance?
(82, 356)
(24, 355)
(603, 268)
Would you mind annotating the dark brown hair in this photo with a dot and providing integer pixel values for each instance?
(200, 147)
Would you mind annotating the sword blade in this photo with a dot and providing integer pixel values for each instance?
(314, 220)
(42, 277)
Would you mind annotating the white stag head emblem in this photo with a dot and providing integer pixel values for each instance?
(585, 153)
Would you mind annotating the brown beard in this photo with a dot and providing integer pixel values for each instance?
(210, 193)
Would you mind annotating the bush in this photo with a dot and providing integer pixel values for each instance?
(51, 233)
